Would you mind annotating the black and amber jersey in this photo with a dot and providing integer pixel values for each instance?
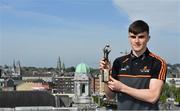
(136, 72)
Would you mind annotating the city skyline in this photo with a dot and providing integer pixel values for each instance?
(37, 32)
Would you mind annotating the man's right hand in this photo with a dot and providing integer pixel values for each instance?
(103, 64)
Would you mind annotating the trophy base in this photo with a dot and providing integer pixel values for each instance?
(106, 75)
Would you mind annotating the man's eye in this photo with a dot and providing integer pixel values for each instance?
(141, 37)
(133, 37)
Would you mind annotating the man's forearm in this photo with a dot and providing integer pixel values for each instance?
(150, 95)
(141, 94)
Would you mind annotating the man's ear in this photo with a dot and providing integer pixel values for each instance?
(149, 37)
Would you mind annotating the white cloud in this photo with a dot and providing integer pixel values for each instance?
(163, 16)
(160, 14)
(11, 11)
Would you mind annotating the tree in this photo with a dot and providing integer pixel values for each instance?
(165, 93)
(170, 91)
(177, 95)
(70, 69)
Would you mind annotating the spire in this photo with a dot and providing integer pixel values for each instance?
(14, 64)
(63, 67)
(18, 68)
(13, 67)
(18, 64)
(59, 64)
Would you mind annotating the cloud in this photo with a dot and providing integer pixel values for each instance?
(4, 5)
(160, 14)
(11, 11)
(163, 17)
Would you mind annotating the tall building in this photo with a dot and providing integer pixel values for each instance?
(64, 84)
(59, 64)
(16, 68)
(82, 86)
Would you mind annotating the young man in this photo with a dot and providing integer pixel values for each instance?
(137, 78)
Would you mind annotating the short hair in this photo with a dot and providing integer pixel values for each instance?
(139, 26)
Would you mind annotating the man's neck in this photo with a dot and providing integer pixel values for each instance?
(137, 54)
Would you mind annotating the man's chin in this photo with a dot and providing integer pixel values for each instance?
(137, 50)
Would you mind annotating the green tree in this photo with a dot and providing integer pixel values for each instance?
(165, 93)
(177, 94)
(70, 69)
(170, 91)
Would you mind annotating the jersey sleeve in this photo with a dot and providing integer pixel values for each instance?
(159, 70)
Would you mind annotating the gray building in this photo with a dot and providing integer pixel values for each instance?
(82, 85)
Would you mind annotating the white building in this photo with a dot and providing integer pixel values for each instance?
(175, 81)
(82, 84)
(82, 98)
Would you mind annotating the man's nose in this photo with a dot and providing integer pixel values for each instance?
(137, 39)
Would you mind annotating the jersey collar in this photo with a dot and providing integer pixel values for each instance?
(142, 57)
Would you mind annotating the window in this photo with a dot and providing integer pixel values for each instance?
(83, 88)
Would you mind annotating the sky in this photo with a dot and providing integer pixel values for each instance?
(37, 32)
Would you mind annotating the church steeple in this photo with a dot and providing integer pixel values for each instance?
(14, 65)
(63, 67)
(18, 68)
(59, 64)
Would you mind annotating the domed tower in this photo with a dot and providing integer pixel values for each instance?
(82, 84)
(82, 68)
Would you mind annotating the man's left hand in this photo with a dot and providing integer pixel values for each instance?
(115, 85)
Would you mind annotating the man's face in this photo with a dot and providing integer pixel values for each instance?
(139, 41)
